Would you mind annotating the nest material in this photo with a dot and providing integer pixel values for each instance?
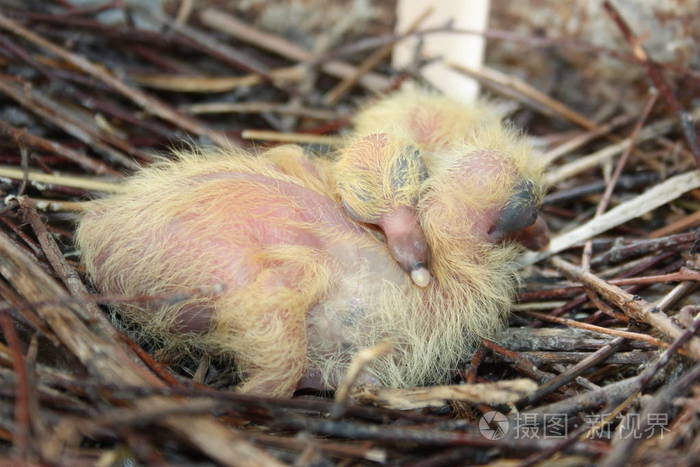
(97, 90)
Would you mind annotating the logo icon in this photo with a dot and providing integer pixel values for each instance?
(493, 425)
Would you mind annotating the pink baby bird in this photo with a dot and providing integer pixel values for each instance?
(305, 282)
(431, 133)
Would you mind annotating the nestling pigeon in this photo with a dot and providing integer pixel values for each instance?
(305, 282)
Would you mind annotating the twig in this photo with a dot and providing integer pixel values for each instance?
(680, 225)
(607, 195)
(212, 84)
(48, 109)
(521, 363)
(89, 311)
(654, 72)
(24, 137)
(109, 361)
(583, 163)
(605, 200)
(500, 392)
(74, 181)
(657, 196)
(574, 143)
(334, 95)
(425, 437)
(358, 364)
(258, 107)
(590, 327)
(204, 42)
(629, 182)
(226, 23)
(634, 357)
(148, 103)
(490, 75)
(642, 247)
(303, 138)
(624, 449)
(634, 307)
(23, 423)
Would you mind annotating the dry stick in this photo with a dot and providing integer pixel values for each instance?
(490, 75)
(148, 103)
(303, 138)
(14, 303)
(340, 89)
(307, 84)
(171, 298)
(89, 312)
(259, 107)
(521, 363)
(592, 327)
(621, 163)
(578, 141)
(333, 448)
(74, 121)
(109, 361)
(55, 205)
(72, 181)
(607, 195)
(660, 363)
(525, 339)
(205, 42)
(100, 355)
(657, 196)
(184, 11)
(358, 364)
(611, 416)
(635, 357)
(499, 392)
(678, 226)
(676, 294)
(654, 72)
(605, 395)
(676, 346)
(604, 307)
(212, 84)
(91, 10)
(426, 437)
(227, 24)
(24, 137)
(653, 130)
(641, 247)
(52, 107)
(630, 182)
(624, 449)
(683, 274)
(48, 110)
(38, 424)
(635, 308)
(581, 432)
(23, 422)
(496, 34)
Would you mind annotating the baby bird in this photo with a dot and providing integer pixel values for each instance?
(431, 132)
(304, 283)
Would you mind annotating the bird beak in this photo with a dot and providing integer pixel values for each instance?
(420, 275)
(407, 244)
(534, 237)
(519, 221)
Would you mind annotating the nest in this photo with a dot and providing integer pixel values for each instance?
(600, 362)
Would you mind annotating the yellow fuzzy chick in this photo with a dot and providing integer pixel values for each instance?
(304, 285)
(382, 183)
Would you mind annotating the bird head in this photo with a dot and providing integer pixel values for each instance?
(378, 178)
